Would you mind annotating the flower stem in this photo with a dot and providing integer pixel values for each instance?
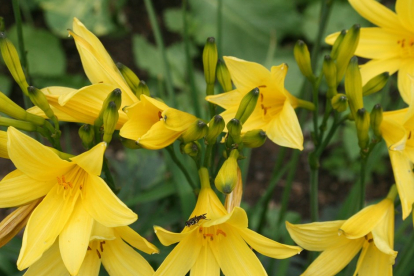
(204, 177)
(180, 165)
(210, 91)
(362, 183)
(108, 176)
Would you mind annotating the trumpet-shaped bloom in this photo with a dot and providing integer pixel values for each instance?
(218, 241)
(74, 195)
(83, 105)
(371, 229)
(106, 246)
(153, 124)
(3, 145)
(390, 46)
(274, 112)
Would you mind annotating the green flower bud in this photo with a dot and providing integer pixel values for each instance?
(335, 47)
(192, 149)
(353, 86)
(39, 99)
(196, 131)
(346, 50)
(129, 76)
(131, 144)
(339, 102)
(376, 120)
(223, 76)
(110, 118)
(254, 138)
(12, 61)
(247, 105)
(234, 128)
(210, 57)
(27, 126)
(215, 127)
(375, 84)
(142, 89)
(226, 178)
(87, 134)
(11, 109)
(116, 97)
(329, 70)
(362, 122)
(302, 57)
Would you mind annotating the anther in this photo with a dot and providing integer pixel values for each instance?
(99, 254)
(220, 232)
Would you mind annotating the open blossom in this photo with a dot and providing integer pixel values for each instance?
(215, 239)
(390, 45)
(74, 196)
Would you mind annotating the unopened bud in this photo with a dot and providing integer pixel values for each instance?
(254, 138)
(376, 120)
(234, 198)
(192, 149)
(346, 50)
(39, 99)
(11, 109)
(339, 102)
(129, 76)
(210, 57)
(353, 86)
(226, 178)
(223, 76)
(142, 89)
(3, 145)
(131, 144)
(302, 57)
(116, 97)
(27, 126)
(375, 84)
(362, 122)
(337, 43)
(87, 134)
(110, 118)
(215, 127)
(196, 131)
(329, 70)
(234, 128)
(247, 105)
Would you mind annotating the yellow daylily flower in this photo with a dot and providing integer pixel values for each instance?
(3, 145)
(153, 124)
(215, 239)
(390, 46)
(74, 194)
(371, 229)
(274, 112)
(83, 105)
(106, 245)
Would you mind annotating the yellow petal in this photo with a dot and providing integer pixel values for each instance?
(182, 258)
(45, 224)
(101, 232)
(377, 66)
(234, 257)
(3, 145)
(33, 159)
(20, 189)
(206, 264)
(91, 264)
(365, 220)
(167, 237)
(246, 75)
(74, 239)
(158, 137)
(404, 81)
(135, 240)
(228, 100)
(103, 205)
(334, 259)
(177, 120)
(317, 236)
(208, 203)
(392, 129)
(237, 218)
(278, 75)
(91, 161)
(120, 259)
(267, 246)
(62, 116)
(404, 9)
(374, 263)
(284, 128)
(50, 264)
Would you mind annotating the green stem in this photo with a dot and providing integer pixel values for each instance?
(314, 194)
(180, 165)
(407, 257)
(315, 98)
(322, 127)
(108, 176)
(210, 91)
(160, 43)
(208, 155)
(337, 122)
(362, 183)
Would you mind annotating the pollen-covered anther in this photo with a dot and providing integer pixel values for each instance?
(101, 245)
(62, 182)
(89, 248)
(99, 254)
(209, 235)
(220, 232)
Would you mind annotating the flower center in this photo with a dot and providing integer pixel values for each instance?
(406, 47)
(98, 246)
(212, 233)
(71, 182)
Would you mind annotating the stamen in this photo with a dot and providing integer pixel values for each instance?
(101, 245)
(209, 235)
(220, 232)
(89, 248)
(159, 115)
(99, 254)
(200, 229)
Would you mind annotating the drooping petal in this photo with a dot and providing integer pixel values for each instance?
(91, 161)
(3, 145)
(377, 66)
(182, 258)
(237, 218)
(404, 9)
(177, 120)
(34, 159)
(167, 237)
(45, 224)
(317, 236)
(119, 259)
(267, 246)
(374, 262)
(405, 73)
(158, 137)
(74, 239)
(135, 240)
(284, 128)
(103, 205)
(228, 100)
(20, 189)
(91, 264)
(206, 264)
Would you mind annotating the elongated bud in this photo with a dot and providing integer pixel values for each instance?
(27, 126)
(192, 149)
(254, 138)
(346, 50)
(11, 109)
(116, 97)
(329, 70)
(353, 86)
(247, 105)
(302, 57)
(215, 127)
(362, 122)
(234, 198)
(234, 128)
(376, 120)
(131, 144)
(87, 134)
(12, 61)
(142, 89)
(129, 76)
(39, 99)
(338, 41)
(223, 76)
(3, 145)
(110, 118)
(340, 102)
(210, 57)
(196, 131)
(226, 178)
(375, 84)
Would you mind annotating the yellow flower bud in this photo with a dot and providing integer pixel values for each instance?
(226, 178)
(11, 109)
(210, 57)
(346, 50)
(254, 138)
(375, 84)
(362, 122)
(338, 41)
(302, 57)
(110, 118)
(329, 70)
(247, 105)
(39, 99)
(215, 127)
(192, 149)
(87, 134)
(234, 128)
(223, 76)
(142, 89)
(116, 97)
(196, 131)
(376, 120)
(353, 86)
(339, 102)
(131, 79)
